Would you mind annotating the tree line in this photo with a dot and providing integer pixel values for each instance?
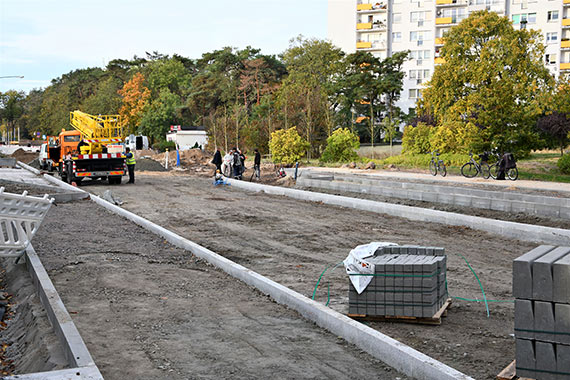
(239, 96)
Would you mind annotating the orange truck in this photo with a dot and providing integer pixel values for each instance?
(93, 150)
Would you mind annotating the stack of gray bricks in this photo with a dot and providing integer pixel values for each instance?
(408, 281)
(541, 286)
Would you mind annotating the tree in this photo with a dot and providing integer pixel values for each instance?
(11, 109)
(556, 127)
(287, 146)
(135, 98)
(341, 146)
(492, 76)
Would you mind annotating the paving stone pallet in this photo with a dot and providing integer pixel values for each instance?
(541, 286)
(408, 281)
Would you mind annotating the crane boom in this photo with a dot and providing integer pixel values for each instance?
(98, 129)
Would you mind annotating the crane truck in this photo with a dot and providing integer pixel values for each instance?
(93, 150)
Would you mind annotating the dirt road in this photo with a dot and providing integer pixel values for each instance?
(292, 242)
(148, 310)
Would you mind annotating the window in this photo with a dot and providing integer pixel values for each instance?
(415, 93)
(551, 37)
(71, 138)
(528, 17)
(422, 35)
(417, 16)
(550, 59)
(420, 54)
(396, 36)
(419, 74)
(552, 15)
(397, 18)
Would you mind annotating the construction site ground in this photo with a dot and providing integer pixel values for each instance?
(148, 310)
(292, 242)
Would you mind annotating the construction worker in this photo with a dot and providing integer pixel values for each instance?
(217, 160)
(257, 164)
(130, 165)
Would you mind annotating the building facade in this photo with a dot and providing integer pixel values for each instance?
(382, 27)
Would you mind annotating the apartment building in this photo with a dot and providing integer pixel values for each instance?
(382, 27)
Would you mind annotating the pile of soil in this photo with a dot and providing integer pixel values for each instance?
(25, 157)
(195, 160)
(146, 164)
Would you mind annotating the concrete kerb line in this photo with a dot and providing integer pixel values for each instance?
(76, 353)
(395, 354)
(520, 231)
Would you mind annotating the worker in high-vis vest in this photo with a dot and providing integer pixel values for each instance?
(130, 165)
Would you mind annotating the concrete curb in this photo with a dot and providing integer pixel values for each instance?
(393, 353)
(525, 232)
(29, 168)
(76, 353)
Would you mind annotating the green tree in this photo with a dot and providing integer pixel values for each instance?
(160, 114)
(11, 109)
(287, 146)
(492, 76)
(341, 146)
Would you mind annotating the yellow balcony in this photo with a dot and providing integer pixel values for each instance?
(566, 2)
(565, 44)
(566, 22)
(439, 60)
(443, 20)
(363, 45)
(364, 7)
(439, 41)
(443, 2)
(565, 66)
(364, 25)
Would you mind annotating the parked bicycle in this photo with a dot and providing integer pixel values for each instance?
(436, 165)
(507, 161)
(473, 168)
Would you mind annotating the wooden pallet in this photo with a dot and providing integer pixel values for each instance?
(510, 373)
(435, 320)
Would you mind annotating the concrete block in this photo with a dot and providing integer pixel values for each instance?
(522, 271)
(523, 207)
(561, 279)
(565, 212)
(563, 361)
(545, 360)
(500, 205)
(547, 210)
(544, 321)
(462, 200)
(526, 359)
(542, 281)
(562, 322)
(524, 319)
(484, 203)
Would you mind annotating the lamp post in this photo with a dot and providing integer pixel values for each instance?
(13, 76)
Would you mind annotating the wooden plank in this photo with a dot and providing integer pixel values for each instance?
(435, 320)
(509, 372)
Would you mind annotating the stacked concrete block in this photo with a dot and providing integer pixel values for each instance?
(408, 281)
(541, 286)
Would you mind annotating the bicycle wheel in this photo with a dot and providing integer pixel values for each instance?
(513, 174)
(469, 170)
(485, 170)
(442, 169)
(432, 168)
(494, 171)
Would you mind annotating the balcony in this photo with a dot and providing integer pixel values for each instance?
(450, 2)
(363, 7)
(363, 45)
(566, 2)
(565, 44)
(565, 66)
(364, 25)
(566, 22)
(439, 60)
(439, 41)
(443, 20)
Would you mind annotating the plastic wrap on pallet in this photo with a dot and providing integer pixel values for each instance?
(358, 265)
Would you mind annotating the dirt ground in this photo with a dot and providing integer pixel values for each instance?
(148, 310)
(292, 242)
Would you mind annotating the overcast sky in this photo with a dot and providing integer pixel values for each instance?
(43, 39)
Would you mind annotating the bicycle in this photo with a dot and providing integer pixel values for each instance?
(473, 168)
(495, 168)
(437, 165)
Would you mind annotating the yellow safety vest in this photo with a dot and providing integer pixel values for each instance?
(131, 161)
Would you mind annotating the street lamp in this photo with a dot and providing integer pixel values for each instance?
(13, 76)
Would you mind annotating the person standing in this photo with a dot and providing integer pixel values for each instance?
(130, 165)
(217, 160)
(257, 164)
(237, 164)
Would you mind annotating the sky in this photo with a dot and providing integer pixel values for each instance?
(43, 39)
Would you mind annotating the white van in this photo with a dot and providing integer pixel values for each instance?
(136, 142)
(45, 162)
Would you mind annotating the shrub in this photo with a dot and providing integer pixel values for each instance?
(286, 146)
(455, 137)
(163, 145)
(416, 140)
(422, 160)
(564, 164)
(341, 146)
